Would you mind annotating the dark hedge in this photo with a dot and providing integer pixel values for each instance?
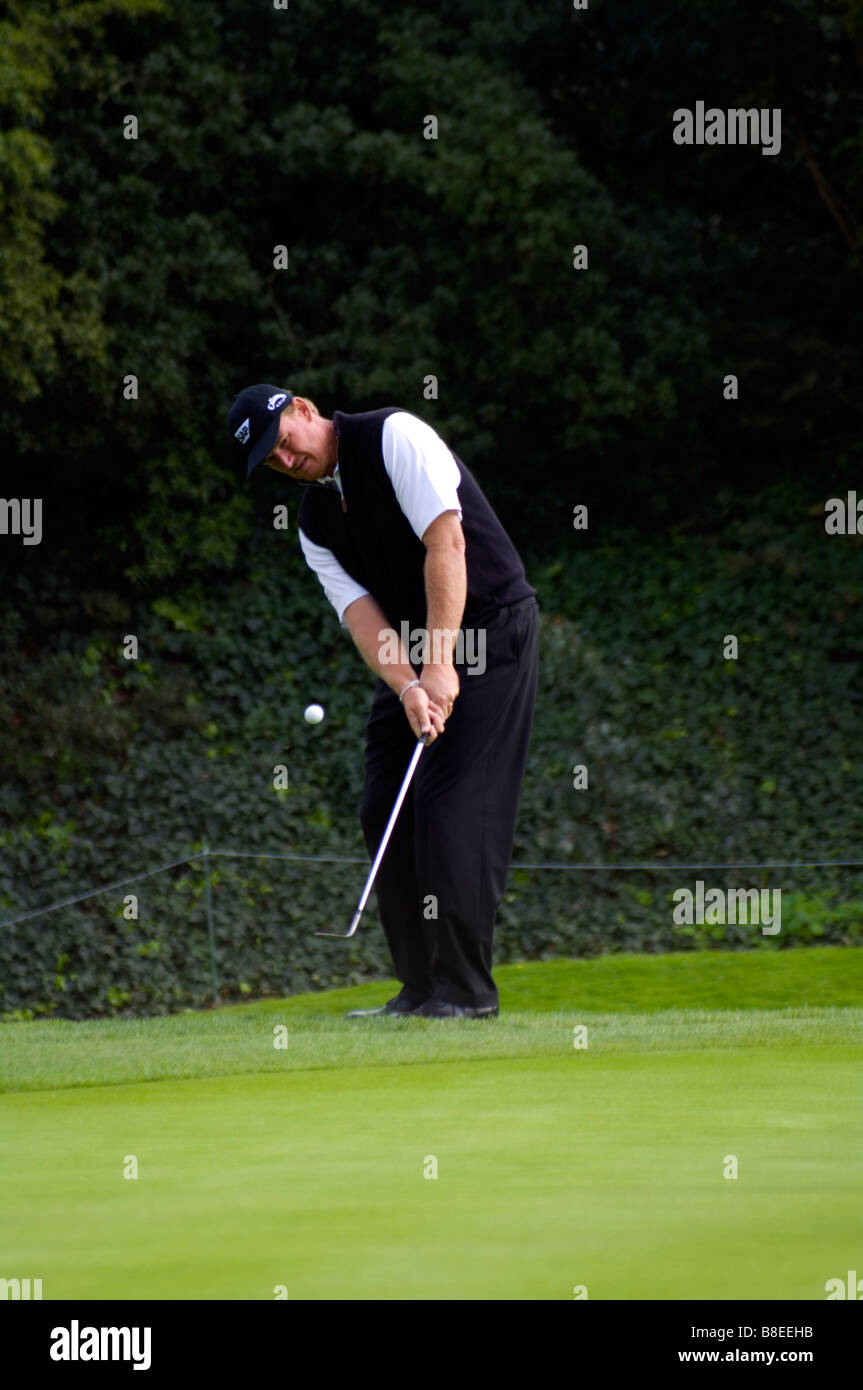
(113, 767)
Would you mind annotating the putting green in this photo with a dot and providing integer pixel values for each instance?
(595, 1168)
(278, 1146)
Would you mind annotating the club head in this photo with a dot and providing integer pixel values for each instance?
(343, 935)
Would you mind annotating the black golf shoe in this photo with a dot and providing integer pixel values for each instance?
(438, 1008)
(397, 1006)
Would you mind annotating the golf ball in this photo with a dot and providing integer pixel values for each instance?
(314, 714)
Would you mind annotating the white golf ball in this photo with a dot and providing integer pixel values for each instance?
(314, 714)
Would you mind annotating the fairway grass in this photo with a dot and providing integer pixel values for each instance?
(305, 1166)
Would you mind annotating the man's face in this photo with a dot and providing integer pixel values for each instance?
(306, 446)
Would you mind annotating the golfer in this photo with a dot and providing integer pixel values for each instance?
(421, 573)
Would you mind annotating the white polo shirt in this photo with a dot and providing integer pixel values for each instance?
(424, 476)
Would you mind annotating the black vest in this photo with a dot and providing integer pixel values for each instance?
(374, 542)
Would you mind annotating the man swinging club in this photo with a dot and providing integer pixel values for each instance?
(403, 541)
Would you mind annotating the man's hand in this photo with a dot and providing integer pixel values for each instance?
(424, 715)
(441, 684)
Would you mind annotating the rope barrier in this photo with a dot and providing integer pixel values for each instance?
(337, 859)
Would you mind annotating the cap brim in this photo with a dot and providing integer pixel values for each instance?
(259, 451)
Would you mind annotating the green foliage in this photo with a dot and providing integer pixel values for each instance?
(51, 311)
(116, 766)
(31, 288)
(410, 257)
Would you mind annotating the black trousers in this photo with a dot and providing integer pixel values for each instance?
(444, 872)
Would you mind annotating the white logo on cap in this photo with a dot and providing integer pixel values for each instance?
(275, 401)
(243, 432)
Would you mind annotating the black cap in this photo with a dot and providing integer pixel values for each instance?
(253, 420)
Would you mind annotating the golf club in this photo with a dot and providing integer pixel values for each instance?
(355, 920)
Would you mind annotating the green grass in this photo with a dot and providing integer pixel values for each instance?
(557, 1166)
(630, 1003)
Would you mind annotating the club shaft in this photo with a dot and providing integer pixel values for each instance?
(390, 823)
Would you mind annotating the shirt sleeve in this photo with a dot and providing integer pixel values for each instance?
(422, 470)
(336, 583)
